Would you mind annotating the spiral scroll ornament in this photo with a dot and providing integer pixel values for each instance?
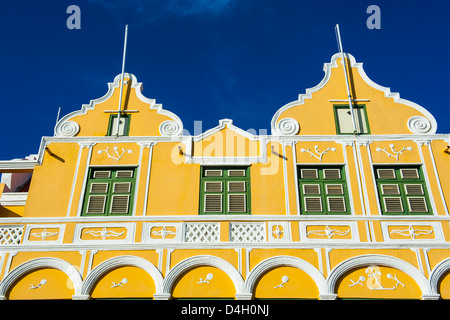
(67, 129)
(419, 124)
(288, 127)
(170, 128)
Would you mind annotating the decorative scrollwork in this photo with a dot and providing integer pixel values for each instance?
(288, 127)
(395, 154)
(67, 129)
(169, 128)
(419, 124)
(318, 154)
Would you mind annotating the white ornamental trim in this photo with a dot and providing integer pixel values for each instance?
(288, 127)
(419, 124)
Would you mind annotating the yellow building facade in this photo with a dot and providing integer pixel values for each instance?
(336, 203)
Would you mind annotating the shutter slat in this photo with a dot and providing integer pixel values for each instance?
(236, 186)
(213, 173)
(386, 173)
(390, 189)
(99, 188)
(213, 186)
(119, 204)
(101, 174)
(313, 204)
(124, 174)
(309, 174)
(236, 203)
(417, 204)
(96, 204)
(122, 187)
(213, 203)
(393, 204)
(414, 189)
(236, 173)
(336, 204)
(332, 174)
(409, 173)
(311, 189)
(334, 189)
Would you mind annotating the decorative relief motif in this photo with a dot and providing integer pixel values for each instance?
(120, 284)
(395, 154)
(284, 280)
(110, 233)
(44, 234)
(374, 281)
(208, 278)
(328, 232)
(115, 156)
(170, 128)
(419, 124)
(42, 283)
(288, 127)
(104, 233)
(162, 232)
(67, 129)
(318, 154)
(419, 231)
(411, 232)
(322, 231)
(278, 231)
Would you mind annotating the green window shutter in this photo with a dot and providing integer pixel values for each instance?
(225, 190)
(109, 192)
(124, 126)
(344, 122)
(402, 190)
(323, 190)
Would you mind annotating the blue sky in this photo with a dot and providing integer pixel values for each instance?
(209, 60)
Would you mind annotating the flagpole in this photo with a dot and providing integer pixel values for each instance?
(350, 102)
(121, 85)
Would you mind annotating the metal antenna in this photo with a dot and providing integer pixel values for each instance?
(349, 95)
(122, 79)
(57, 116)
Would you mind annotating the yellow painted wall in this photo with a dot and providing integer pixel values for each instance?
(56, 173)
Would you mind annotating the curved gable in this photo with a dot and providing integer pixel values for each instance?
(315, 112)
(146, 117)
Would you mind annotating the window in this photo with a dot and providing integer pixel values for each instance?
(402, 190)
(344, 123)
(323, 190)
(225, 190)
(109, 192)
(124, 125)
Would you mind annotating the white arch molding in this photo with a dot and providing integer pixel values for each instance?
(205, 260)
(288, 261)
(42, 263)
(117, 262)
(436, 275)
(382, 260)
